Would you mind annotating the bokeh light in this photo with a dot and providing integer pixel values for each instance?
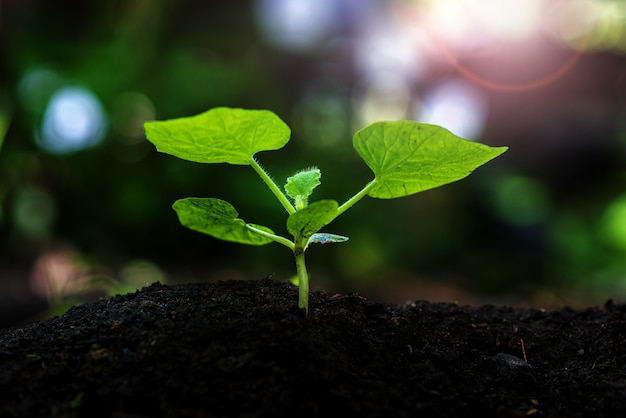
(456, 105)
(34, 213)
(74, 120)
(613, 224)
(384, 97)
(296, 25)
(130, 111)
(36, 87)
(521, 201)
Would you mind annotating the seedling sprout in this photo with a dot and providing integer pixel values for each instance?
(405, 157)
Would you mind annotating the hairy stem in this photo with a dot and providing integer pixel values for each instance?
(273, 187)
(360, 195)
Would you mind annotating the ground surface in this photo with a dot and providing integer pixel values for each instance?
(242, 349)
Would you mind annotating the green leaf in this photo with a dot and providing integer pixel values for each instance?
(300, 186)
(409, 157)
(307, 221)
(219, 135)
(217, 218)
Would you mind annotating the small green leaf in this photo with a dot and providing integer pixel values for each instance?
(409, 157)
(300, 186)
(325, 238)
(307, 221)
(217, 218)
(219, 135)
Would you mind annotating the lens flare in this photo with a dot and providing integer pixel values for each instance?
(460, 29)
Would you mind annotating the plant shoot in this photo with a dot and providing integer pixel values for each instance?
(405, 157)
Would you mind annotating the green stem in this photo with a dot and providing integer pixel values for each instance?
(273, 187)
(303, 279)
(360, 195)
(273, 237)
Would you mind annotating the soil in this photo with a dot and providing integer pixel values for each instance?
(243, 349)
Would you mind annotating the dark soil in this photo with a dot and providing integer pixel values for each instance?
(242, 349)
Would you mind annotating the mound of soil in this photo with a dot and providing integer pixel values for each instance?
(243, 349)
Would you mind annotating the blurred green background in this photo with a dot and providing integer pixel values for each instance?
(85, 200)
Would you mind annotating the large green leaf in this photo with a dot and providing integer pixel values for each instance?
(219, 135)
(409, 157)
(310, 219)
(217, 218)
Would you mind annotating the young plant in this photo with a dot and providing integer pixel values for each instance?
(406, 157)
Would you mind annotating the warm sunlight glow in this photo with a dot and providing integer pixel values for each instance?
(462, 31)
(466, 22)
